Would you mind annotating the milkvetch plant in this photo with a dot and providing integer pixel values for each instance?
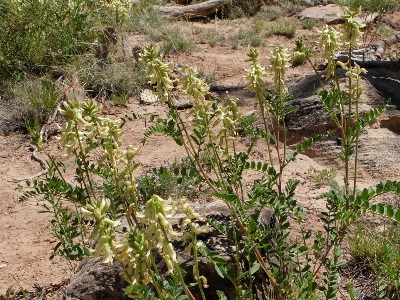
(270, 259)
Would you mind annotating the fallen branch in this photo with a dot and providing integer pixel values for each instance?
(191, 11)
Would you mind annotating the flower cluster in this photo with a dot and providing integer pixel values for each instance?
(228, 116)
(255, 75)
(157, 72)
(192, 85)
(156, 219)
(103, 229)
(154, 234)
(354, 72)
(330, 40)
(352, 28)
(279, 64)
(120, 7)
(134, 255)
(84, 125)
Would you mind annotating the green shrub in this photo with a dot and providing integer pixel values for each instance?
(247, 37)
(175, 41)
(175, 181)
(301, 53)
(213, 37)
(384, 31)
(47, 33)
(36, 100)
(269, 13)
(241, 8)
(378, 248)
(367, 243)
(284, 257)
(117, 80)
(145, 20)
(290, 7)
(308, 23)
(284, 27)
(323, 177)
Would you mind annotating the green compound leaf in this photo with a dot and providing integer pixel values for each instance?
(303, 146)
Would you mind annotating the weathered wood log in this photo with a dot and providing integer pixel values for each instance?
(191, 11)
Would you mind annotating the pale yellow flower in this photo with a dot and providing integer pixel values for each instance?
(352, 28)
(255, 75)
(279, 64)
(157, 72)
(330, 40)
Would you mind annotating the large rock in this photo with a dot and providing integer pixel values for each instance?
(310, 116)
(215, 241)
(330, 14)
(94, 280)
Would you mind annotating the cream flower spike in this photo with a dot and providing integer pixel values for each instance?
(279, 64)
(330, 41)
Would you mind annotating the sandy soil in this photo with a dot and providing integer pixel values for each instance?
(25, 242)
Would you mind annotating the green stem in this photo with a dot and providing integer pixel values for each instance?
(196, 263)
(345, 146)
(316, 73)
(239, 181)
(85, 163)
(266, 130)
(190, 152)
(155, 283)
(219, 161)
(185, 288)
(177, 267)
(357, 141)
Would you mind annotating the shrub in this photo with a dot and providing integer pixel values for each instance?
(173, 40)
(301, 53)
(145, 20)
(308, 23)
(175, 181)
(323, 177)
(269, 13)
(46, 33)
(36, 99)
(284, 27)
(241, 8)
(116, 80)
(290, 7)
(213, 37)
(250, 37)
(378, 248)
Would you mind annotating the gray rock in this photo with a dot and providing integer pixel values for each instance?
(94, 280)
(330, 14)
(215, 241)
(310, 116)
(181, 101)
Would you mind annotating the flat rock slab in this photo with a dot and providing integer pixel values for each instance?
(330, 13)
